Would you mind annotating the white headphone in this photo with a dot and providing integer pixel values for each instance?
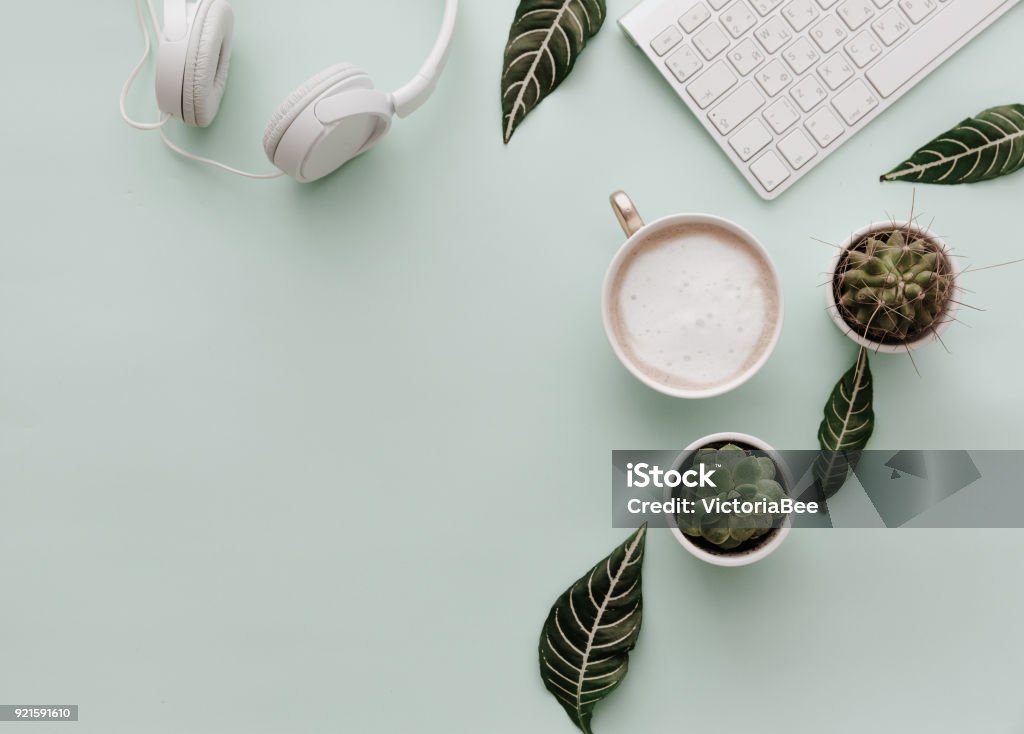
(331, 119)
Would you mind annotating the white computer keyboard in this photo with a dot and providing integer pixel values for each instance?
(780, 84)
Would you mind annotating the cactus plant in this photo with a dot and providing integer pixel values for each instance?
(740, 476)
(894, 286)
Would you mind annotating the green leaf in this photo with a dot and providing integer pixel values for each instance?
(978, 149)
(546, 38)
(586, 640)
(848, 424)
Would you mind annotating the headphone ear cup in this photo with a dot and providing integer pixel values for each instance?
(208, 62)
(331, 119)
(298, 100)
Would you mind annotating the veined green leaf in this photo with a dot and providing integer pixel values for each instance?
(978, 149)
(586, 640)
(546, 38)
(848, 424)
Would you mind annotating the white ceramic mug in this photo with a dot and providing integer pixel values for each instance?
(640, 234)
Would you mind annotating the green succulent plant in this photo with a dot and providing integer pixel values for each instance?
(894, 287)
(741, 476)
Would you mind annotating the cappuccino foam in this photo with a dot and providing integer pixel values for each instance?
(695, 306)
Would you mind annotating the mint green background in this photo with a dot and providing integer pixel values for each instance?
(279, 458)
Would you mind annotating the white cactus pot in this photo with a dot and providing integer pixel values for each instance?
(833, 308)
(770, 542)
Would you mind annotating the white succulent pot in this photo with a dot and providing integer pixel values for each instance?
(948, 315)
(770, 542)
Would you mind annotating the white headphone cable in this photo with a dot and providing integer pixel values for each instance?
(210, 162)
(163, 120)
(138, 69)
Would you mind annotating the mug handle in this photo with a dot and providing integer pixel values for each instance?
(626, 213)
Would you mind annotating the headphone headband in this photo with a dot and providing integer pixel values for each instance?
(416, 92)
(173, 48)
(177, 18)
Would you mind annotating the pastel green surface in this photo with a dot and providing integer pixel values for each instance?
(279, 458)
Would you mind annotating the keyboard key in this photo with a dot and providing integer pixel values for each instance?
(854, 102)
(836, 71)
(918, 10)
(856, 13)
(935, 37)
(746, 57)
(736, 108)
(781, 115)
(694, 17)
(750, 140)
(666, 40)
(766, 6)
(738, 19)
(809, 93)
(773, 35)
(684, 63)
(829, 33)
(824, 127)
(712, 84)
(801, 56)
(801, 13)
(711, 41)
(773, 78)
(797, 149)
(891, 27)
(770, 170)
(718, 4)
(826, 4)
(864, 48)
(882, 3)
